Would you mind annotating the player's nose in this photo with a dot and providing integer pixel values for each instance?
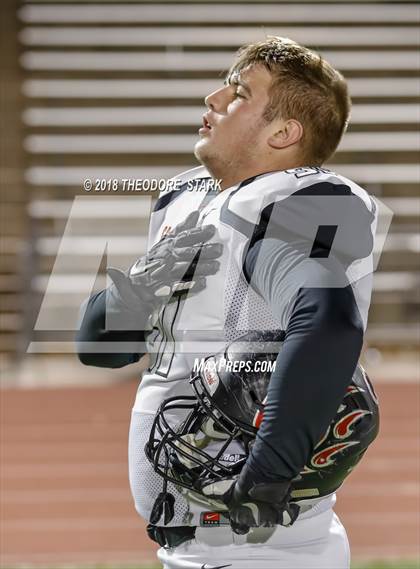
(217, 100)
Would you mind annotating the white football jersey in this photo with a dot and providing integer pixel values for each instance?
(202, 323)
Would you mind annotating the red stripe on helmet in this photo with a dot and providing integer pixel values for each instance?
(323, 458)
(343, 429)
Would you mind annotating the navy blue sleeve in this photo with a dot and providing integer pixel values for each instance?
(322, 345)
(93, 330)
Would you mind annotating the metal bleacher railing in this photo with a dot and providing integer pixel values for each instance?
(116, 90)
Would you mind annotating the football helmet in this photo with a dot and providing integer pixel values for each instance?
(205, 438)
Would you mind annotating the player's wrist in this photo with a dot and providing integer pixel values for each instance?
(125, 309)
(250, 478)
(271, 492)
(133, 298)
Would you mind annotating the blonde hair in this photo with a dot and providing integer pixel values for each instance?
(304, 87)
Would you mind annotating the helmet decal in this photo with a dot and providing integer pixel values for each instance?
(343, 427)
(324, 437)
(323, 458)
(211, 376)
(352, 389)
(259, 416)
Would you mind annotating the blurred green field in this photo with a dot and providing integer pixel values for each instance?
(367, 565)
(387, 565)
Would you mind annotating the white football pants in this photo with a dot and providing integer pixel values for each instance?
(315, 542)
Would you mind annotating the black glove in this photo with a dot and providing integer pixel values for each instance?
(178, 263)
(263, 505)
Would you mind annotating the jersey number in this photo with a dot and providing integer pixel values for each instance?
(164, 343)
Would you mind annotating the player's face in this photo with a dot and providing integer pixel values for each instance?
(234, 133)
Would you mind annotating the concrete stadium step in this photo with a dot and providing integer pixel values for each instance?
(81, 251)
(392, 177)
(115, 144)
(54, 60)
(386, 308)
(77, 284)
(11, 321)
(66, 90)
(391, 336)
(48, 116)
(11, 302)
(10, 262)
(129, 208)
(223, 36)
(10, 342)
(148, 13)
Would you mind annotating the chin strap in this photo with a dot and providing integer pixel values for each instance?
(164, 504)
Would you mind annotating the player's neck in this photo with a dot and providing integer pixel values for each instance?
(234, 178)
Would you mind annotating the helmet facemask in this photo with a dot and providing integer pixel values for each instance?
(202, 447)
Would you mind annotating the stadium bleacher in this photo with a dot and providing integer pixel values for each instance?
(115, 90)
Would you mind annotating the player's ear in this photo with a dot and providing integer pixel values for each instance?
(285, 134)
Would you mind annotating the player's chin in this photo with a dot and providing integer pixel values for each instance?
(201, 149)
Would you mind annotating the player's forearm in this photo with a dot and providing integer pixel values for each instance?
(319, 355)
(93, 331)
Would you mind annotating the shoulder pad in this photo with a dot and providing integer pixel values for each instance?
(301, 202)
(178, 184)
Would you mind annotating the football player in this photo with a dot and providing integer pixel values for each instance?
(284, 245)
